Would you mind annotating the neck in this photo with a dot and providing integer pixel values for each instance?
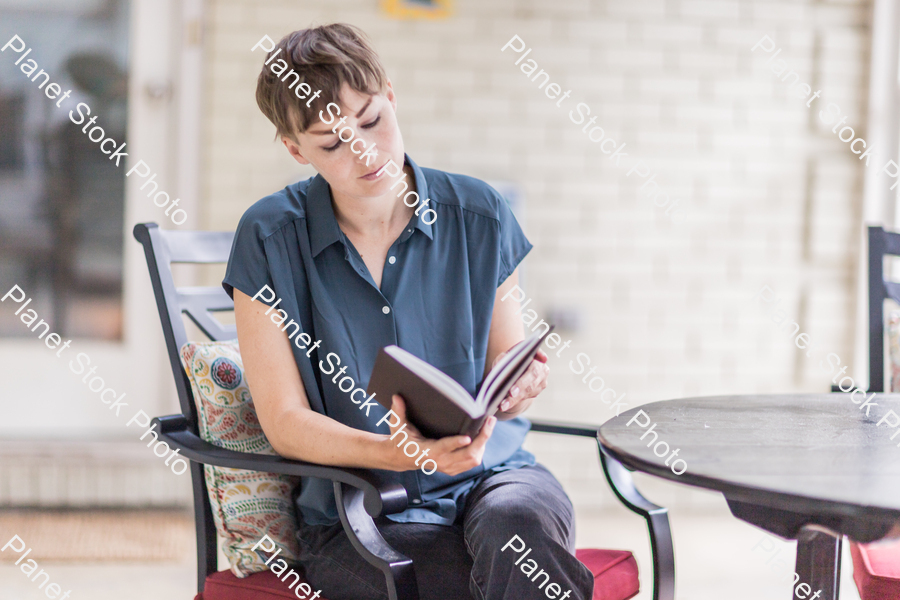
(379, 216)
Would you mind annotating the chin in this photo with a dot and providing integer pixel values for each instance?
(378, 187)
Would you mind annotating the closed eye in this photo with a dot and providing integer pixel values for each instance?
(366, 126)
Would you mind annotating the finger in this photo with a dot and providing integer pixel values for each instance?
(516, 393)
(525, 383)
(485, 434)
(461, 459)
(515, 403)
(452, 442)
(543, 373)
(510, 402)
(535, 372)
(540, 356)
(529, 385)
(398, 405)
(497, 359)
(523, 404)
(472, 454)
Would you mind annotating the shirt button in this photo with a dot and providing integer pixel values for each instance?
(392, 259)
(386, 310)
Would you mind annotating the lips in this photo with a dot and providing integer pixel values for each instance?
(371, 176)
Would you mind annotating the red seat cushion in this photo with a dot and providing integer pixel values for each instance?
(876, 570)
(259, 586)
(615, 578)
(615, 573)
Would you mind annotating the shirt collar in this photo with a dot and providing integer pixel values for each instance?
(422, 190)
(323, 226)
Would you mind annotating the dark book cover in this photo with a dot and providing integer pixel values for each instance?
(437, 405)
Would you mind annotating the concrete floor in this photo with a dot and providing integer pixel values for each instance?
(714, 552)
(716, 555)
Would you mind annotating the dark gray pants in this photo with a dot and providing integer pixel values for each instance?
(464, 561)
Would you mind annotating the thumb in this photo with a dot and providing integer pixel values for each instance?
(486, 430)
(398, 406)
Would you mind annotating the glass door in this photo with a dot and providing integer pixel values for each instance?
(82, 83)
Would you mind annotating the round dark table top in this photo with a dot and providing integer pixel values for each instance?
(809, 454)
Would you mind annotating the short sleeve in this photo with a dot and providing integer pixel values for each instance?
(248, 267)
(513, 243)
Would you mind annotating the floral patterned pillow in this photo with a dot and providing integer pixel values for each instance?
(893, 333)
(246, 505)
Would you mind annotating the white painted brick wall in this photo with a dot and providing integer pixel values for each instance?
(666, 310)
(87, 474)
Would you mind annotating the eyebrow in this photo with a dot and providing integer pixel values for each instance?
(358, 115)
(363, 109)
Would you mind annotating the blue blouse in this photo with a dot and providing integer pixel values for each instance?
(436, 298)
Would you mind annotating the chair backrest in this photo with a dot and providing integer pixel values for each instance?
(162, 249)
(881, 243)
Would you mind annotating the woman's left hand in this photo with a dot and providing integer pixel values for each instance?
(526, 388)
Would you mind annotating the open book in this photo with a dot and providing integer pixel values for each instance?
(436, 403)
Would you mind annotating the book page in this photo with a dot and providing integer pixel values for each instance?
(508, 370)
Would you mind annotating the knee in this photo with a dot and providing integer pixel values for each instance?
(530, 515)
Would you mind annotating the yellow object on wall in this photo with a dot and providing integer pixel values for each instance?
(418, 9)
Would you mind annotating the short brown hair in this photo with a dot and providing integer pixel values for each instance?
(324, 58)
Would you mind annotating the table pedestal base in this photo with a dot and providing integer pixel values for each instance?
(818, 564)
(818, 551)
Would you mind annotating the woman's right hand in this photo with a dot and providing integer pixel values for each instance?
(453, 455)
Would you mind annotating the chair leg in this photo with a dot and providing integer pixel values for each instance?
(207, 542)
(367, 540)
(657, 519)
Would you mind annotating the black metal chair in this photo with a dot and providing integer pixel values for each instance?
(359, 499)
(881, 243)
(868, 572)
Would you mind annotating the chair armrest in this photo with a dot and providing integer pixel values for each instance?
(378, 498)
(565, 428)
(398, 569)
(617, 474)
(623, 487)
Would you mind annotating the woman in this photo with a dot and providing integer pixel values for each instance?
(358, 269)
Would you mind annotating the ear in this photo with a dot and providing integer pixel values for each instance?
(389, 94)
(294, 150)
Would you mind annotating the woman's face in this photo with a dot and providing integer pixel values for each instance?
(330, 145)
